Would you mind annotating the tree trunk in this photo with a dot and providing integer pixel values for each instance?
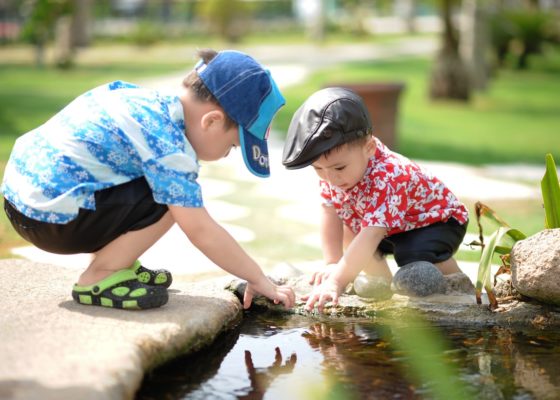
(40, 54)
(317, 23)
(474, 42)
(81, 23)
(63, 49)
(406, 9)
(166, 10)
(449, 79)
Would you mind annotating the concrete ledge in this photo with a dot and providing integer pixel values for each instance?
(53, 348)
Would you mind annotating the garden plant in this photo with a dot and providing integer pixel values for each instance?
(502, 240)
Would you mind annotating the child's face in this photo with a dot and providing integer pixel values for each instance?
(222, 143)
(344, 167)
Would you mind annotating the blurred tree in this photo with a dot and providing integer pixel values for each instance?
(531, 30)
(166, 10)
(449, 76)
(474, 43)
(520, 30)
(226, 17)
(42, 16)
(406, 9)
(358, 10)
(81, 22)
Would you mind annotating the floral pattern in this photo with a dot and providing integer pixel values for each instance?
(108, 136)
(395, 193)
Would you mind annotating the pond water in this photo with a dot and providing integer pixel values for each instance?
(300, 357)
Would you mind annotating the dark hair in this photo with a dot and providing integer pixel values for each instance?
(356, 142)
(197, 86)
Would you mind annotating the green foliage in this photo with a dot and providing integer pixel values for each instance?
(517, 105)
(146, 33)
(224, 16)
(42, 17)
(521, 33)
(501, 242)
(551, 194)
(503, 239)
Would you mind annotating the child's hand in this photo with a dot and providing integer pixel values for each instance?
(319, 277)
(329, 290)
(278, 294)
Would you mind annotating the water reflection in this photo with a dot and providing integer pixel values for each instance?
(356, 355)
(261, 378)
(296, 357)
(505, 364)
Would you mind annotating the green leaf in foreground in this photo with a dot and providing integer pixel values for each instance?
(501, 241)
(551, 194)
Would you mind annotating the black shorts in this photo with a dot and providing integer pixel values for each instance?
(433, 243)
(119, 209)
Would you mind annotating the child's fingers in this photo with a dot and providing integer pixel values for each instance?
(324, 299)
(313, 277)
(289, 296)
(292, 296)
(247, 298)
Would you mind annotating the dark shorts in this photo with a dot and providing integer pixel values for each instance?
(434, 243)
(119, 209)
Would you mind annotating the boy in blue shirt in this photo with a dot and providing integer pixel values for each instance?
(116, 168)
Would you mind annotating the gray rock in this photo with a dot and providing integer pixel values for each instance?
(54, 348)
(419, 279)
(458, 283)
(442, 308)
(376, 288)
(504, 288)
(535, 266)
(238, 286)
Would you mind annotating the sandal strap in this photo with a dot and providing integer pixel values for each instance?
(124, 275)
(135, 266)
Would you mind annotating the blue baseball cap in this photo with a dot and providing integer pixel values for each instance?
(249, 96)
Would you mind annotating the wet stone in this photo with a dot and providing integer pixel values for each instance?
(458, 283)
(419, 279)
(373, 287)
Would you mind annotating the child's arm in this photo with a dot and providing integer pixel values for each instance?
(218, 245)
(358, 254)
(331, 240)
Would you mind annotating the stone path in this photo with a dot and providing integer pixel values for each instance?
(51, 348)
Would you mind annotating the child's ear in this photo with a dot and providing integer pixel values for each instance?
(371, 145)
(212, 119)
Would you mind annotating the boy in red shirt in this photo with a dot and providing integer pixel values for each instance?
(376, 201)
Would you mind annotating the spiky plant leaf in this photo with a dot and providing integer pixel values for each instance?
(551, 194)
(501, 241)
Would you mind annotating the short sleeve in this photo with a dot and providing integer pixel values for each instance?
(326, 193)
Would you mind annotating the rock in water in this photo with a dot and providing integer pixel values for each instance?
(373, 287)
(419, 278)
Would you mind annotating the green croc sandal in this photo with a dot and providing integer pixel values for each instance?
(121, 290)
(158, 277)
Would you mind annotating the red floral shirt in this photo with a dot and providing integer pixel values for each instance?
(395, 193)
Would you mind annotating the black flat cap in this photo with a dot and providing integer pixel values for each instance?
(328, 118)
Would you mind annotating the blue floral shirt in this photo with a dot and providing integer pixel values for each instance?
(108, 136)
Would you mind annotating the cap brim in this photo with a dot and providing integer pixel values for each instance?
(255, 153)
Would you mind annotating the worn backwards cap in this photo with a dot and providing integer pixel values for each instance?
(249, 96)
(328, 118)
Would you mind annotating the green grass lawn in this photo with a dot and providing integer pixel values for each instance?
(515, 120)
